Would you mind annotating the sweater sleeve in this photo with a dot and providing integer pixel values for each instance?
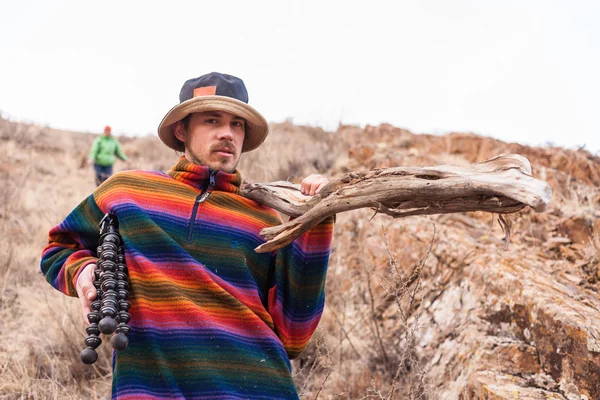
(94, 149)
(119, 152)
(71, 246)
(297, 291)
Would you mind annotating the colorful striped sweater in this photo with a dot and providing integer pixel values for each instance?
(211, 318)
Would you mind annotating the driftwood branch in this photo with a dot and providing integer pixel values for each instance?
(500, 185)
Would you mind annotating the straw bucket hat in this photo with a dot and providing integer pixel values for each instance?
(215, 92)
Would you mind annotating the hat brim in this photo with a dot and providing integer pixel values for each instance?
(257, 127)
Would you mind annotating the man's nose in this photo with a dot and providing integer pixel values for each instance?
(225, 133)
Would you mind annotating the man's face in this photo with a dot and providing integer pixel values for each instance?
(213, 138)
(107, 133)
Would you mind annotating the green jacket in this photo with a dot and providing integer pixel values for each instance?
(104, 150)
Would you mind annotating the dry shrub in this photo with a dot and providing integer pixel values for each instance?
(371, 319)
(291, 153)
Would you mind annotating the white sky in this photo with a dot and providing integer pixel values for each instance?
(526, 71)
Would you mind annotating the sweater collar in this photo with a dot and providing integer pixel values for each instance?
(198, 176)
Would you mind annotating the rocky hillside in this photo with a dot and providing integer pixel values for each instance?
(420, 307)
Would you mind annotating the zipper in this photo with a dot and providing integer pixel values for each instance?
(200, 199)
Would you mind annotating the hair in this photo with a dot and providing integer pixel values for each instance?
(186, 121)
(186, 125)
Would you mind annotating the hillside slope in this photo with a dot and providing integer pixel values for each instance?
(422, 307)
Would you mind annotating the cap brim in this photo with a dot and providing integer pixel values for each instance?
(257, 128)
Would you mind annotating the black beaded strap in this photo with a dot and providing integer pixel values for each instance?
(109, 310)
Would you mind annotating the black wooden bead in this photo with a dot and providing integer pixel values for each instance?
(108, 311)
(123, 316)
(107, 245)
(110, 298)
(123, 328)
(124, 305)
(123, 285)
(109, 275)
(88, 356)
(123, 294)
(110, 295)
(93, 341)
(94, 317)
(111, 238)
(109, 254)
(96, 304)
(109, 284)
(93, 330)
(107, 325)
(109, 266)
(116, 238)
(119, 341)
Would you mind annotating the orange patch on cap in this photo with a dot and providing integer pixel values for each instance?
(205, 91)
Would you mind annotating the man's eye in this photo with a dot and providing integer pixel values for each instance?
(238, 124)
(211, 121)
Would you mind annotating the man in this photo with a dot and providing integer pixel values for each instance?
(210, 318)
(103, 154)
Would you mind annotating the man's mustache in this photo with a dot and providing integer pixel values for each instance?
(223, 147)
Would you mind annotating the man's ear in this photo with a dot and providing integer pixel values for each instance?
(179, 131)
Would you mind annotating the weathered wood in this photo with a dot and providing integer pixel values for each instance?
(500, 185)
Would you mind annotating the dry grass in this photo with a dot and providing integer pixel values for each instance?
(370, 343)
(41, 333)
(371, 321)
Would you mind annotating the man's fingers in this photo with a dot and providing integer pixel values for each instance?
(313, 187)
(85, 283)
(321, 186)
(312, 184)
(305, 186)
(86, 291)
(317, 185)
(86, 310)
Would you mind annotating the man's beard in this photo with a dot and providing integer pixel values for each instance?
(196, 159)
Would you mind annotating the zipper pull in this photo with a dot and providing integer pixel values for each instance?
(211, 184)
(209, 189)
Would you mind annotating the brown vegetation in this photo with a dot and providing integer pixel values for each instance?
(419, 307)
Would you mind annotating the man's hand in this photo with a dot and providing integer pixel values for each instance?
(86, 290)
(312, 184)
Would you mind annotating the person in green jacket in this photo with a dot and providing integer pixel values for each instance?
(103, 153)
